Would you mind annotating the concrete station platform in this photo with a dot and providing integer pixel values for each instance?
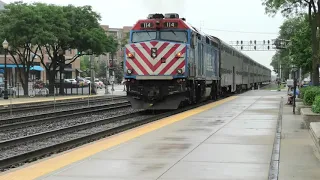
(229, 139)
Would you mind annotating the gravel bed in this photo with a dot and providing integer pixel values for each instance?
(42, 143)
(63, 123)
(61, 108)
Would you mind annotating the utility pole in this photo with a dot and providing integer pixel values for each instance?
(92, 74)
(112, 89)
(112, 70)
(107, 78)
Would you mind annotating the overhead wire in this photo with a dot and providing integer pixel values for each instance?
(247, 32)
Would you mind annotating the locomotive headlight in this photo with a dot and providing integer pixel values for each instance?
(179, 71)
(153, 55)
(129, 71)
(179, 55)
(130, 55)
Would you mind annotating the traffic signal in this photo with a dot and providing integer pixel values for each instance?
(79, 52)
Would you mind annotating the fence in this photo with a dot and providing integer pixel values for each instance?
(69, 89)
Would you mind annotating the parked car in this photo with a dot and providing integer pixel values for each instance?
(98, 83)
(11, 90)
(82, 82)
(71, 82)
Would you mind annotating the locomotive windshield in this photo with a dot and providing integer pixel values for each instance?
(168, 35)
(144, 36)
(177, 36)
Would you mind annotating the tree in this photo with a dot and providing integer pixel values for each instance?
(125, 39)
(301, 48)
(299, 52)
(118, 73)
(19, 24)
(85, 65)
(52, 30)
(101, 69)
(291, 7)
(81, 30)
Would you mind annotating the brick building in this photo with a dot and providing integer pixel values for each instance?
(120, 34)
(38, 71)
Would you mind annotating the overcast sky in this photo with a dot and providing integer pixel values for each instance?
(216, 17)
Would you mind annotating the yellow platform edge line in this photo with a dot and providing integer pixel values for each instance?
(31, 100)
(55, 163)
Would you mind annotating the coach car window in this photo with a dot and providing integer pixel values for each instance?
(143, 36)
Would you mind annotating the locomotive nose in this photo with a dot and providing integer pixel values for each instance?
(153, 93)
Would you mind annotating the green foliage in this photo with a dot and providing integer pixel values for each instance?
(85, 65)
(19, 25)
(303, 90)
(52, 28)
(125, 39)
(118, 73)
(310, 95)
(286, 7)
(300, 41)
(101, 69)
(301, 44)
(296, 30)
(316, 105)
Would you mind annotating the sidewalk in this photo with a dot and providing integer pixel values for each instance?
(118, 91)
(298, 158)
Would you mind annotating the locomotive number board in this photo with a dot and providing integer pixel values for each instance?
(146, 25)
(170, 24)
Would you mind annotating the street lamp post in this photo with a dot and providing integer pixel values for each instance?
(107, 80)
(294, 89)
(5, 46)
(92, 74)
(61, 69)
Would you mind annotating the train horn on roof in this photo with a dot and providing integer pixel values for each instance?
(155, 16)
(171, 16)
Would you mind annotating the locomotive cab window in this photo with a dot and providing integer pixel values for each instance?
(143, 36)
(167, 35)
(177, 36)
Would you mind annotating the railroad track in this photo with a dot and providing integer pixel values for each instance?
(145, 117)
(77, 135)
(20, 122)
(38, 106)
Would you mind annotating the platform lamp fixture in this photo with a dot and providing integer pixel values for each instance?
(5, 46)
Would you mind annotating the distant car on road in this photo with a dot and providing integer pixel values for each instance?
(98, 83)
(11, 90)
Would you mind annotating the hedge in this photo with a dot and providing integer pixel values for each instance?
(303, 90)
(316, 105)
(310, 94)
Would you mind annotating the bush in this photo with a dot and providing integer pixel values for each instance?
(316, 105)
(310, 94)
(303, 90)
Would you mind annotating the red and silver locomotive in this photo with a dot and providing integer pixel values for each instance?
(169, 62)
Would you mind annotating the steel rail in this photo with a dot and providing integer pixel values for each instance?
(49, 104)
